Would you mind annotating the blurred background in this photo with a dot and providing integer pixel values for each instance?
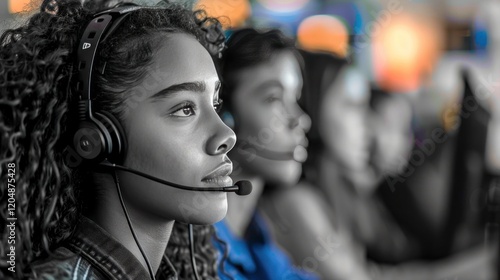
(400, 45)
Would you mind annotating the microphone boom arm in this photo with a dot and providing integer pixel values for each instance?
(108, 165)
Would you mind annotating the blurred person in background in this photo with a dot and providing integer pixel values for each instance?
(303, 215)
(338, 206)
(261, 85)
(438, 197)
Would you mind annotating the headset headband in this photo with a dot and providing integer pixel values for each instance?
(98, 30)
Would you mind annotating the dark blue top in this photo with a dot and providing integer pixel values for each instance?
(256, 256)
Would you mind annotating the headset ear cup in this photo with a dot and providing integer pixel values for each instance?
(89, 141)
(118, 144)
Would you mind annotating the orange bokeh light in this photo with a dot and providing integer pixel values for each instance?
(404, 52)
(231, 13)
(284, 6)
(18, 6)
(323, 33)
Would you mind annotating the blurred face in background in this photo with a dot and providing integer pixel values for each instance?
(391, 126)
(269, 118)
(344, 120)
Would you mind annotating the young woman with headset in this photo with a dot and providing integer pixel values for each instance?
(98, 111)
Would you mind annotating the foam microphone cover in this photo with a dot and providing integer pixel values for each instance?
(244, 187)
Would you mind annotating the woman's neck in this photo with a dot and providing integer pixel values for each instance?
(331, 174)
(242, 208)
(152, 232)
(334, 175)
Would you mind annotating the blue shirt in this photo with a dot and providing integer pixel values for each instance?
(256, 256)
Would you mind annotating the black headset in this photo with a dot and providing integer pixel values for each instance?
(99, 135)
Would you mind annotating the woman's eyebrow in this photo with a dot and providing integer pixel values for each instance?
(269, 84)
(197, 86)
(263, 88)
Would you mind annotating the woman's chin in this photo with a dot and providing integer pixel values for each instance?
(283, 173)
(204, 212)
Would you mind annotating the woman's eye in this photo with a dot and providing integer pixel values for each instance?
(185, 111)
(271, 99)
(218, 105)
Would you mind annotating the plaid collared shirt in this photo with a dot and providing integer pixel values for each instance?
(92, 254)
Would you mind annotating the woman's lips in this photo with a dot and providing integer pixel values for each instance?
(220, 176)
(222, 181)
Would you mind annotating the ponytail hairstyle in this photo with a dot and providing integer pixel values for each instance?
(37, 78)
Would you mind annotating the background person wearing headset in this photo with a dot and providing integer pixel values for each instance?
(262, 83)
(315, 233)
(145, 103)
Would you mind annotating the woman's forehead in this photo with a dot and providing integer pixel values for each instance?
(182, 56)
(179, 59)
(281, 71)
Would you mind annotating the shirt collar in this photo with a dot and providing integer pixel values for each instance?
(110, 256)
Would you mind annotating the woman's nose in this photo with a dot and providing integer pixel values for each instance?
(299, 118)
(222, 140)
(305, 122)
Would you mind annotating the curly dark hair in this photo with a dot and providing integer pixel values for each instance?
(36, 85)
(178, 251)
